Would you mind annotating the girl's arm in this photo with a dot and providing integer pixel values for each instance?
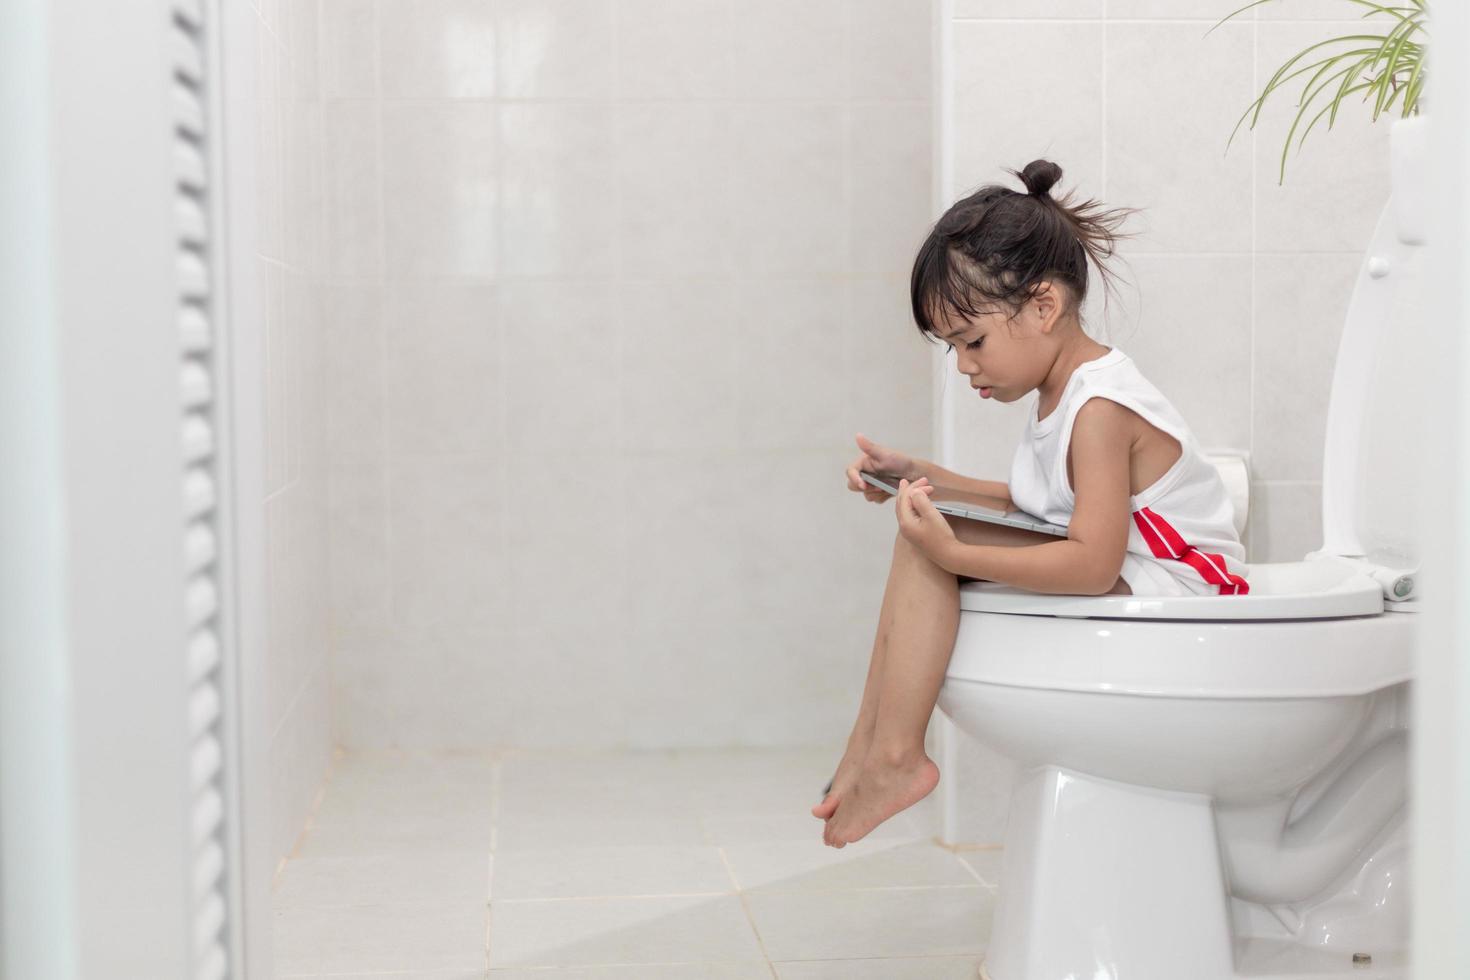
(941, 477)
(1090, 560)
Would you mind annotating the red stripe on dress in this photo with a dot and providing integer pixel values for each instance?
(1151, 537)
(1212, 568)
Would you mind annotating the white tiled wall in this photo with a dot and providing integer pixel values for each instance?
(610, 285)
(1234, 293)
(289, 144)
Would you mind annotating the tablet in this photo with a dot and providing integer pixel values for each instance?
(961, 503)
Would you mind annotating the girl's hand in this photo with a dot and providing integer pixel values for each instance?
(877, 459)
(920, 523)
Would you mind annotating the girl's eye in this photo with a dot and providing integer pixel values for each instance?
(974, 344)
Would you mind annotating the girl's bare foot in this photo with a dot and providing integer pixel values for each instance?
(883, 788)
(845, 778)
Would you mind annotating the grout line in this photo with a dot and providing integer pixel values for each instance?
(745, 907)
(765, 889)
(1251, 383)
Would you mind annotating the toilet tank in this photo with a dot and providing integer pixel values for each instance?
(1377, 416)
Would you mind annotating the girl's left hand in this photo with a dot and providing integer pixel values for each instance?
(919, 522)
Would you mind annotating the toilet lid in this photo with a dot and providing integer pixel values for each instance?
(1377, 408)
(1323, 588)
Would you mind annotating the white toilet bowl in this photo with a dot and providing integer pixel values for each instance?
(1194, 795)
(1214, 787)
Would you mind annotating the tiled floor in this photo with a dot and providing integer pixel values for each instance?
(567, 866)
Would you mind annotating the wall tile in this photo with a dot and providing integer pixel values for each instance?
(353, 325)
(679, 370)
(1285, 520)
(562, 343)
(674, 174)
(790, 357)
(437, 48)
(790, 50)
(1301, 302)
(640, 264)
(1198, 354)
(1338, 180)
(1060, 118)
(675, 49)
(790, 210)
(1193, 189)
(565, 537)
(353, 189)
(557, 208)
(889, 49)
(1027, 9)
(554, 49)
(888, 390)
(443, 379)
(440, 194)
(446, 542)
(349, 49)
(889, 152)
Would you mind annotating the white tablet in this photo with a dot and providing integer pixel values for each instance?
(961, 503)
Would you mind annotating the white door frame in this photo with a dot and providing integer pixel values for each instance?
(99, 791)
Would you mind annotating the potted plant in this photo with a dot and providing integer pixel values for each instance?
(1383, 66)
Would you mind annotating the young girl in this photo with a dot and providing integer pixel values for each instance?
(1001, 279)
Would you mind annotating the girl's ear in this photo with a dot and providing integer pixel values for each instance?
(1047, 302)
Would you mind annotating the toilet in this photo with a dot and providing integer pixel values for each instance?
(1214, 787)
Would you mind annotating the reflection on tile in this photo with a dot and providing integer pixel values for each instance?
(872, 922)
(621, 930)
(437, 48)
(580, 869)
(792, 866)
(912, 968)
(554, 49)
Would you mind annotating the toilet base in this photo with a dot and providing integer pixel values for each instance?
(1271, 959)
(1100, 878)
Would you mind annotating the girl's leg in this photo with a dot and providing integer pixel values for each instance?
(910, 660)
(862, 729)
(971, 532)
(896, 772)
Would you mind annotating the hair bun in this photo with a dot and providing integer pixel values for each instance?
(1039, 176)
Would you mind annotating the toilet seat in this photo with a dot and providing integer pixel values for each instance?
(1318, 589)
(1314, 658)
(1309, 629)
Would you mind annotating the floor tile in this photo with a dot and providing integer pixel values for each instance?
(887, 922)
(645, 971)
(618, 870)
(985, 863)
(398, 831)
(524, 830)
(369, 938)
(572, 932)
(813, 866)
(436, 877)
(912, 968)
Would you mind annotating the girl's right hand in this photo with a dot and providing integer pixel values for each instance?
(878, 459)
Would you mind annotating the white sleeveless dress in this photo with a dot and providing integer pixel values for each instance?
(1181, 535)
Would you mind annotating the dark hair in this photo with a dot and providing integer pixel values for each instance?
(997, 244)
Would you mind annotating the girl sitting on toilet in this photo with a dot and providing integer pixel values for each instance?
(1000, 280)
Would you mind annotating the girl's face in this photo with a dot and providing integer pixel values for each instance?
(1005, 360)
